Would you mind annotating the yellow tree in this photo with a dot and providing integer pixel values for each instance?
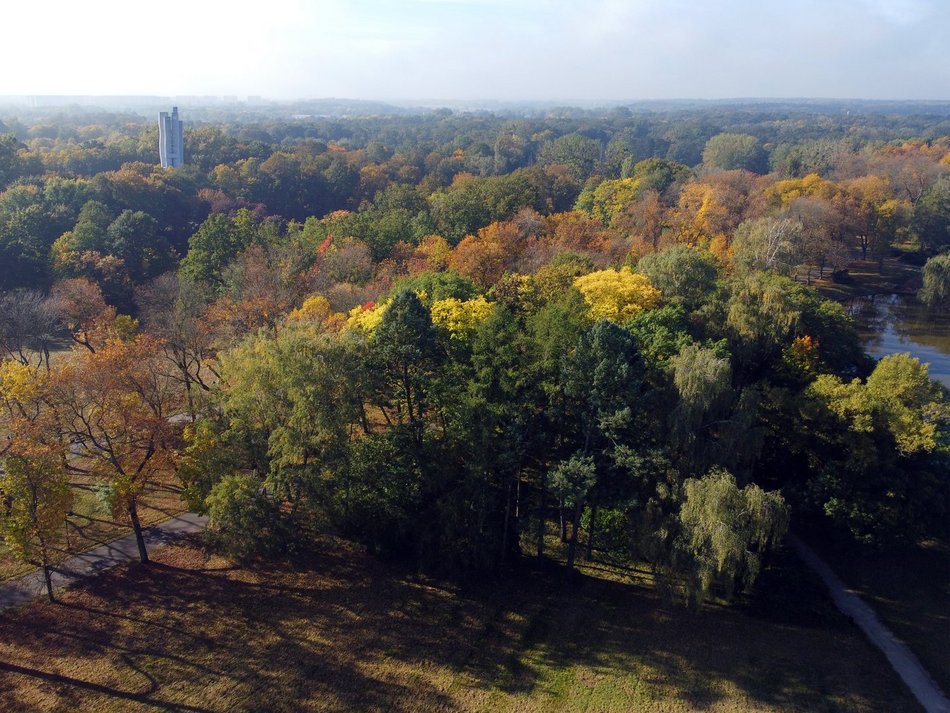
(617, 295)
(33, 479)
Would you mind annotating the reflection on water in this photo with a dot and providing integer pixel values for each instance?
(895, 323)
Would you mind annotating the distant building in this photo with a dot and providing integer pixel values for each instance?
(171, 143)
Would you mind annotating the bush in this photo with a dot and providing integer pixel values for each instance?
(244, 521)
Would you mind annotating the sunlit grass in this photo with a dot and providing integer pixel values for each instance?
(344, 631)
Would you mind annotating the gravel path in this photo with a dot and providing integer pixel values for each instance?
(29, 586)
(901, 658)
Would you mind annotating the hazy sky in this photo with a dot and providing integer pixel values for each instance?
(480, 49)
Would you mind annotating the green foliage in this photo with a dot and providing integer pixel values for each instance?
(438, 286)
(880, 451)
(769, 244)
(731, 151)
(218, 241)
(657, 174)
(244, 522)
(471, 203)
(936, 289)
(37, 498)
(931, 219)
(573, 478)
(726, 530)
(683, 275)
(579, 153)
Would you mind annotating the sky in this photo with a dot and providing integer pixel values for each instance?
(509, 50)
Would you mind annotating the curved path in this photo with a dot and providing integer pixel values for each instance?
(901, 658)
(29, 586)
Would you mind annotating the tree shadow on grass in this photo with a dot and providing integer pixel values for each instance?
(343, 631)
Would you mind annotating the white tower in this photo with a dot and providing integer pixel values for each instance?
(171, 145)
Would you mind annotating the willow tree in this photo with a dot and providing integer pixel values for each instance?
(725, 532)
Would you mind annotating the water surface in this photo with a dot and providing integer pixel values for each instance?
(889, 324)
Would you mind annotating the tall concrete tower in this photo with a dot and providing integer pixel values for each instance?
(171, 144)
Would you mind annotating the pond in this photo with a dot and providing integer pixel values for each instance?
(897, 323)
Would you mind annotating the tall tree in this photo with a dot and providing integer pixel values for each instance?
(113, 407)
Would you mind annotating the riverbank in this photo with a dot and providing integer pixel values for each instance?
(896, 275)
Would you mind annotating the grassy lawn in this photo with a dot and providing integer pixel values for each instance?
(193, 632)
(908, 588)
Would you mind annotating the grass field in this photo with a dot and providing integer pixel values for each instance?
(193, 632)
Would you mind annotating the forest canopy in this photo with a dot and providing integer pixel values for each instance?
(444, 335)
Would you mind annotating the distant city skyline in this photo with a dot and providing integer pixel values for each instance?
(507, 50)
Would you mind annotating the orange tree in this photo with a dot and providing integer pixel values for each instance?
(113, 407)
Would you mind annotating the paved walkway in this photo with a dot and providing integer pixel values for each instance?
(901, 658)
(29, 586)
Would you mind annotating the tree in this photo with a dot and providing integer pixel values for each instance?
(726, 531)
(931, 218)
(703, 381)
(572, 480)
(579, 153)
(617, 295)
(879, 451)
(406, 346)
(731, 151)
(33, 480)
(10, 163)
(38, 498)
(217, 242)
(683, 275)
(768, 244)
(174, 310)
(599, 413)
(29, 325)
(113, 407)
(80, 304)
(298, 395)
(936, 289)
(134, 236)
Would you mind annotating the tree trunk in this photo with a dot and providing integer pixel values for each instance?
(49, 582)
(560, 511)
(137, 528)
(590, 533)
(504, 532)
(572, 543)
(44, 553)
(541, 518)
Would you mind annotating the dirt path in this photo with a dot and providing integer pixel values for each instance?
(28, 586)
(900, 657)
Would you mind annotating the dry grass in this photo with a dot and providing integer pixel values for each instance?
(346, 632)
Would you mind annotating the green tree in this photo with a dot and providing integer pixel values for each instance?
(931, 218)
(769, 244)
(731, 151)
(572, 480)
(36, 490)
(218, 241)
(683, 275)
(406, 346)
(936, 289)
(726, 531)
